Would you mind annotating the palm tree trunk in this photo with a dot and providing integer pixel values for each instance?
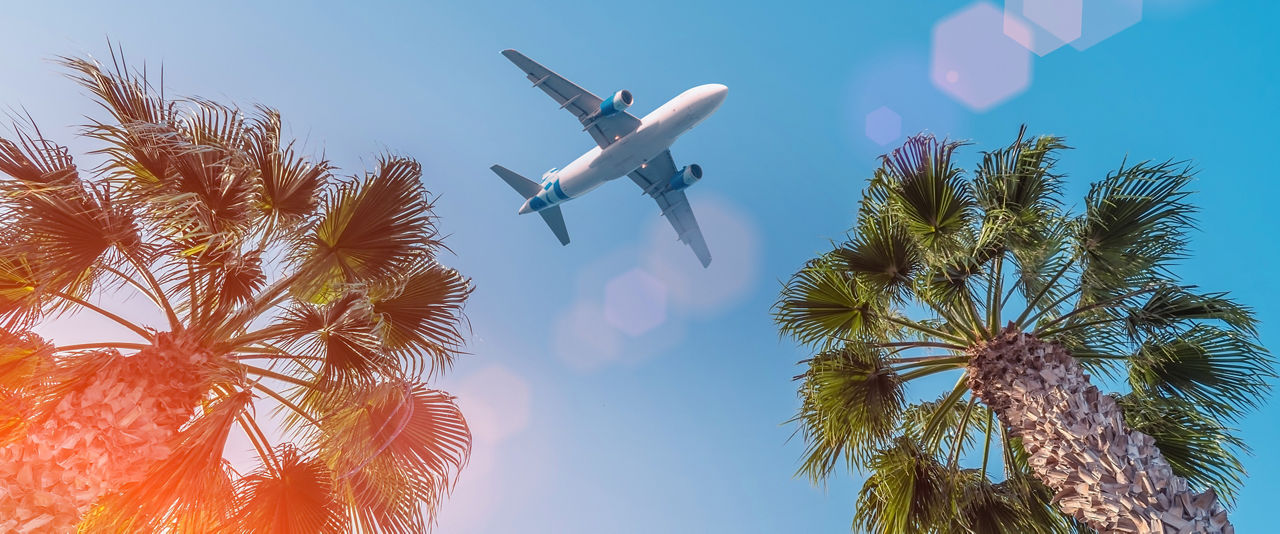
(105, 433)
(1104, 473)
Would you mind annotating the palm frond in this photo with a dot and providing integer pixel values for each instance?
(292, 495)
(819, 304)
(850, 404)
(883, 257)
(396, 450)
(290, 185)
(68, 231)
(1197, 446)
(935, 425)
(989, 508)
(927, 191)
(127, 95)
(343, 334)
(418, 314)
(37, 162)
(24, 357)
(907, 491)
(138, 143)
(1134, 225)
(1174, 306)
(371, 228)
(1222, 371)
(1018, 181)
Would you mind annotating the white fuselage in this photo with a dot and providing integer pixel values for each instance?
(657, 131)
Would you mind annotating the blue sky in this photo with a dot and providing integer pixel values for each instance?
(582, 427)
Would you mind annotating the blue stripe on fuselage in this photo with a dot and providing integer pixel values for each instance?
(559, 192)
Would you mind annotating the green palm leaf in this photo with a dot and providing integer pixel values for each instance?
(1221, 370)
(1198, 447)
(906, 492)
(883, 257)
(821, 304)
(850, 405)
(927, 191)
(1135, 223)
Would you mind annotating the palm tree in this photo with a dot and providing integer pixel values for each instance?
(992, 281)
(279, 286)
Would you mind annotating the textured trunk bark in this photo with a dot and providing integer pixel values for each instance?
(99, 437)
(1103, 473)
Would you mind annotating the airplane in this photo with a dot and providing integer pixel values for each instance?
(638, 148)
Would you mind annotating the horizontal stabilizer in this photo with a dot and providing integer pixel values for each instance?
(526, 187)
(555, 220)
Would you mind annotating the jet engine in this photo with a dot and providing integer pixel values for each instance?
(547, 176)
(616, 102)
(686, 177)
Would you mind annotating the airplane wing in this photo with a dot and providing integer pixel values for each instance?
(653, 178)
(580, 102)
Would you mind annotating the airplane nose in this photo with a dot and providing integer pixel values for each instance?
(524, 208)
(714, 95)
(719, 91)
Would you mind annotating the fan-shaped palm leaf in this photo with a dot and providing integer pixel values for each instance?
(397, 445)
(417, 314)
(292, 495)
(907, 491)
(290, 185)
(851, 402)
(371, 228)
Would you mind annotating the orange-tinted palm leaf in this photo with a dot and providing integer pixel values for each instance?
(36, 160)
(398, 446)
(23, 357)
(293, 496)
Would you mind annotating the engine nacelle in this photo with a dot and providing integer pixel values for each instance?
(616, 102)
(686, 177)
(549, 175)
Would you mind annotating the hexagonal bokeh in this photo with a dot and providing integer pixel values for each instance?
(883, 125)
(1103, 18)
(583, 340)
(635, 302)
(973, 60)
(1026, 33)
(1059, 17)
(693, 291)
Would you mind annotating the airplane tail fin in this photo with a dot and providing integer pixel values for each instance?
(527, 189)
